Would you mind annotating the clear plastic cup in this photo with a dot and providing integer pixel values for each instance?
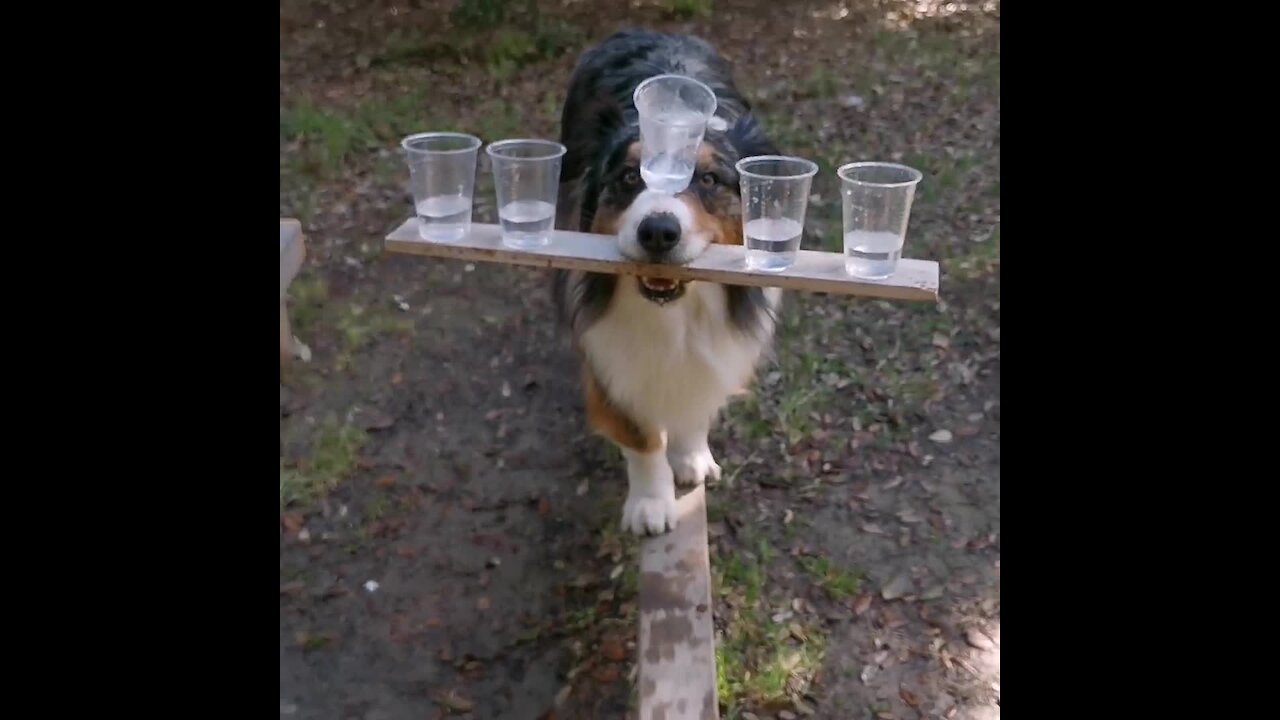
(442, 178)
(673, 112)
(876, 198)
(526, 179)
(775, 197)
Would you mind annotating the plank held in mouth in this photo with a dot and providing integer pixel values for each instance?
(813, 271)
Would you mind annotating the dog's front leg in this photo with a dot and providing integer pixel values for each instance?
(690, 456)
(651, 489)
(651, 493)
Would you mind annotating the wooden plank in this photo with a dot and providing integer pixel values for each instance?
(813, 271)
(292, 253)
(677, 637)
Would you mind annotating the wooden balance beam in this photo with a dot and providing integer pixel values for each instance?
(677, 678)
(292, 252)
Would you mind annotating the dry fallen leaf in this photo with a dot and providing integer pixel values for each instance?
(386, 481)
(291, 521)
(908, 697)
(483, 603)
(454, 702)
(978, 639)
(861, 604)
(612, 649)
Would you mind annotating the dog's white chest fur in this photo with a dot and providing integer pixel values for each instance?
(671, 367)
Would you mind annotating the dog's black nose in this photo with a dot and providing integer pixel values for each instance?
(658, 233)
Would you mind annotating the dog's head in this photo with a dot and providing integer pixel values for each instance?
(657, 227)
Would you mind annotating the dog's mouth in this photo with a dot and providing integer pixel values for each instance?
(660, 290)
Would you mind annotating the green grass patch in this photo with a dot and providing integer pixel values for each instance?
(838, 583)
(326, 139)
(335, 447)
(358, 325)
(307, 297)
(687, 9)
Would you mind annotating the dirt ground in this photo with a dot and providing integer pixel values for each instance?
(449, 532)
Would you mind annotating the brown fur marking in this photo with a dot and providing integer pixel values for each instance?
(706, 155)
(608, 420)
(725, 229)
(605, 222)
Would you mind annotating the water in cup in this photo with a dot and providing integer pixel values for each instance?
(772, 243)
(669, 149)
(527, 223)
(870, 254)
(444, 217)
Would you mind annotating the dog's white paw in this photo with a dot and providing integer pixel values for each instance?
(651, 494)
(694, 468)
(645, 515)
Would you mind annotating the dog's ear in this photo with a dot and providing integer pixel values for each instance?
(748, 137)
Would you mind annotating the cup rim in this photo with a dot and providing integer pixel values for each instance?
(813, 167)
(473, 142)
(715, 102)
(914, 175)
(556, 150)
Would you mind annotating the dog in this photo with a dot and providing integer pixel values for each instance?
(660, 358)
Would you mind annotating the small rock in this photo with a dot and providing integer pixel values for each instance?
(372, 585)
(786, 715)
(493, 562)
(304, 535)
(933, 593)
(287, 708)
(802, 708)
(896, 588)
(974, 417)
(852, 101)
(941, 437)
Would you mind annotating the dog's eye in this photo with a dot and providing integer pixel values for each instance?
(631, 177)
(709, 179)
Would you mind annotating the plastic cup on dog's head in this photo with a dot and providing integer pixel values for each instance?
(526, 178)
(876, 199)
(673, 111)
(775, 196)
(442, 178)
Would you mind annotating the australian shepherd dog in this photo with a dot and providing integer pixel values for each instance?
(660, 358)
